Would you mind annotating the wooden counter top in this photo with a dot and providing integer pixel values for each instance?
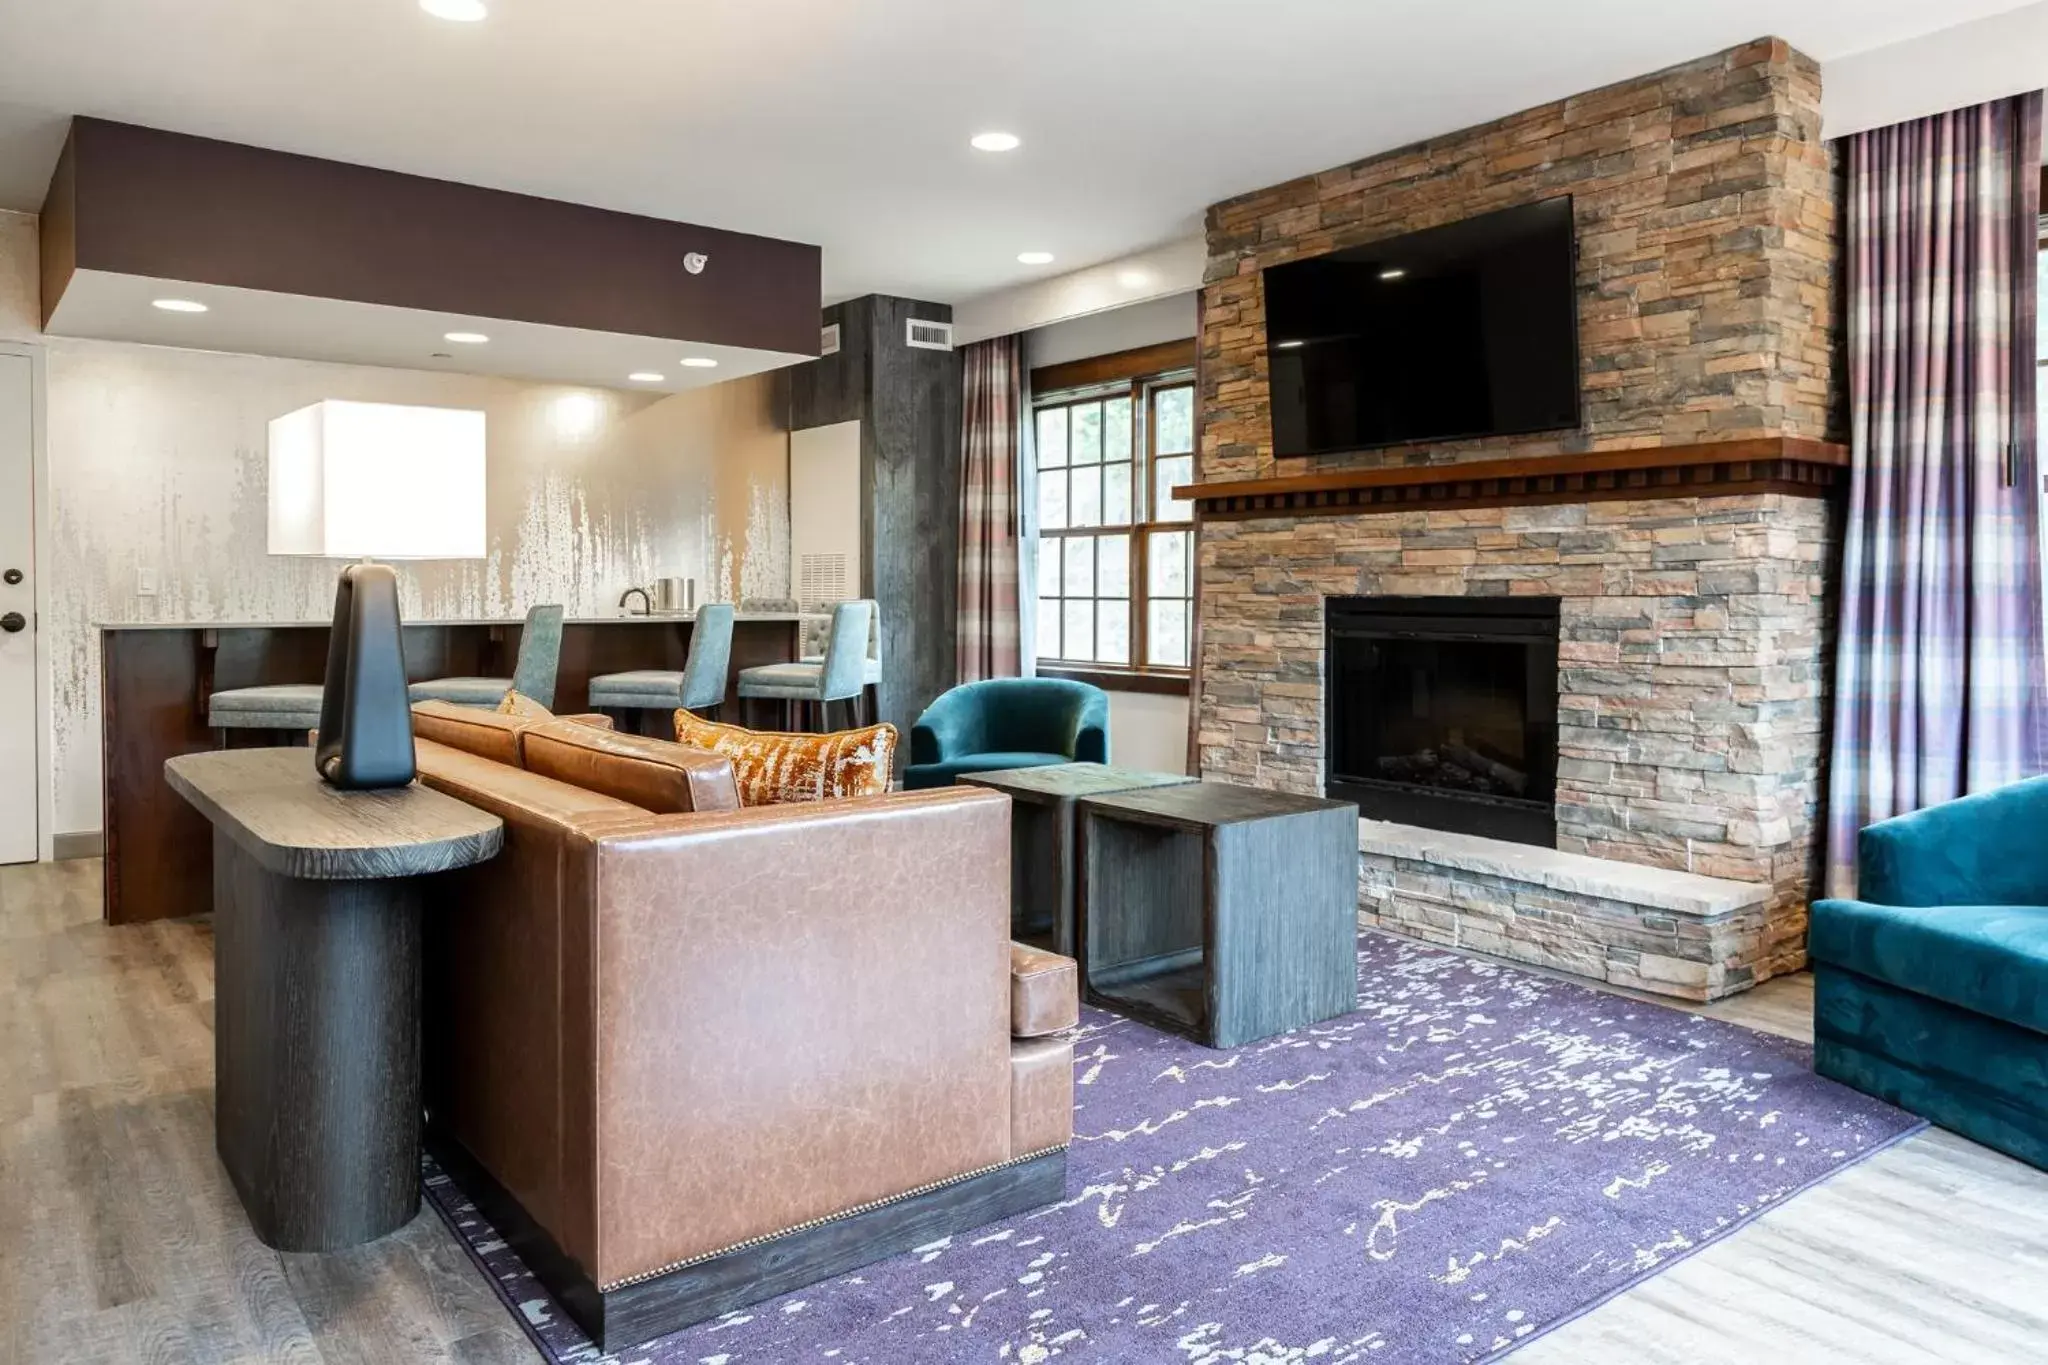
(660, 618)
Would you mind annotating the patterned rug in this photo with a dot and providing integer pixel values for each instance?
(1477, 1155)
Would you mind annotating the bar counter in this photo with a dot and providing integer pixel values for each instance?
(155, 677)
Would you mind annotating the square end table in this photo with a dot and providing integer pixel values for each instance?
(1042, 839)
(1225, 913)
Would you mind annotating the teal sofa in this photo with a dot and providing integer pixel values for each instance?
(1932, 991)
(1002, 723)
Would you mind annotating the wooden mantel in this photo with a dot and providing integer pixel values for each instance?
(1776, 464)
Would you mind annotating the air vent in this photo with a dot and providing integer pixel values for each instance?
(929, 336)
(828, 339)
(821, 582)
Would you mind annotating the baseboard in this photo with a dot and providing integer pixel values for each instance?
(83, 843)
(633, 1313)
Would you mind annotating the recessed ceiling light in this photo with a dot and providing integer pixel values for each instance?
(1288, 345)
(179, 305)
(644, 377)
(700, 362)
(1392, 273)
(459, 11)
(466, 338)
(995, 142)
(1134, 279)
(1035, 257)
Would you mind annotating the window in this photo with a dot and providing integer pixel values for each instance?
(1115, 549)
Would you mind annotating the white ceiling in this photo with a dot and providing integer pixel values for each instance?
(845, 122)
(114, 307)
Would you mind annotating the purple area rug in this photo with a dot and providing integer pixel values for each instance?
(1475, 1156)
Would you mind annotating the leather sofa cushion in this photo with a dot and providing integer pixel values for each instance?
(470, 729)
(1044, 992)
(773, 768)
(649, 773)
(1990, 959)
(1041, 1094)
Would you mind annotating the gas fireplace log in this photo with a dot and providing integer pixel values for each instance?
(1475, 762)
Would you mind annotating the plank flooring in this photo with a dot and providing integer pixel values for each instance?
(121, 1240)
(120, 1237)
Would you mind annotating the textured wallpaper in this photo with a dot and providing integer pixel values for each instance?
(158, 463)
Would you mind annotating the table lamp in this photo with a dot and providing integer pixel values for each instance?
(373, 481)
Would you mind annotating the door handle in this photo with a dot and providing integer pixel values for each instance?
(13, 622)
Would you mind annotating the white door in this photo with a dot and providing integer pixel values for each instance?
(17, 615)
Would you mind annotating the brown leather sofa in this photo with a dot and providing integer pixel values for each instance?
(687, 1056)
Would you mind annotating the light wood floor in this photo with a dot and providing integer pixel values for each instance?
(120, 1239)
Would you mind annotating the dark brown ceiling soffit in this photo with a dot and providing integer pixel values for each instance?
(1714, 469)
(136, 201)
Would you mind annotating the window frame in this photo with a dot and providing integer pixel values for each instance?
(1142, 390)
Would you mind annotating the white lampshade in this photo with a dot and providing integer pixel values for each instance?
(377, 481)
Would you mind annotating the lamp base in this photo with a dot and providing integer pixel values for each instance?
(365, 712)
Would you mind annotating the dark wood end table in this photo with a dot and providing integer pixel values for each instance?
(1225, 913)
(316, 953)
(1042, 863)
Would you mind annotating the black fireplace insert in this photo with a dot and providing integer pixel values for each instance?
(1442, 712)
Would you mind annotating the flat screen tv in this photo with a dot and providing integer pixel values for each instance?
(1470, 329)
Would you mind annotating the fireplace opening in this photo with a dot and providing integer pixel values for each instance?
(1442, 712)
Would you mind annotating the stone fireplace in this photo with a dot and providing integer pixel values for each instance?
(1689, 707)
(1633, 614)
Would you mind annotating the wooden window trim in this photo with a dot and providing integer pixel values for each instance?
(1144, 362)
(1157, 682)
(1145, 489)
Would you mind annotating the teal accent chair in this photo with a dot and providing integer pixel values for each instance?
(1932, 991)
(985, 727)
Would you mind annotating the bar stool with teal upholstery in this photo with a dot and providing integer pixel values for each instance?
(699, 686)
(838, 676)
(280, 706)
(533, 673)
(871, 668)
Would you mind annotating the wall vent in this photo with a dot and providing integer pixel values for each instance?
(821, 581)
(821, 584)
(929, 336)
(828, 339)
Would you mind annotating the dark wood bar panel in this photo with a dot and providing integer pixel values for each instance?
(155, 679)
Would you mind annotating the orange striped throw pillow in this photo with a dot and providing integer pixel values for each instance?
(772, 768)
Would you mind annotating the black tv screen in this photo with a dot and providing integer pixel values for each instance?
(1470, 329)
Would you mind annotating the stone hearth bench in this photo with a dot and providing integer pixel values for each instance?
(1648, 928)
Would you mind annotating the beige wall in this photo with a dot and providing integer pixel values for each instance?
(157, 462)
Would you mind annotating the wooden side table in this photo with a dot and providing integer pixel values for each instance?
(1225, 913)
(316, 953)
(1042, 862)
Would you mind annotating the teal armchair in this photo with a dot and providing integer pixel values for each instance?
(1003, 723)
(1931, 991)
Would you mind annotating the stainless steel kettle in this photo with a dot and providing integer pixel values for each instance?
(675, 594)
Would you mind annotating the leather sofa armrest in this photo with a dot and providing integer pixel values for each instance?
(1045, 992)
(817, 988)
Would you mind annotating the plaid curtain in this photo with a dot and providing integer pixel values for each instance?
(992, 379)
(1939, 675)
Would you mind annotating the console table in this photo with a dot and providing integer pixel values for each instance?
(1225, 913)
(316, 955)
(1042, 860)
